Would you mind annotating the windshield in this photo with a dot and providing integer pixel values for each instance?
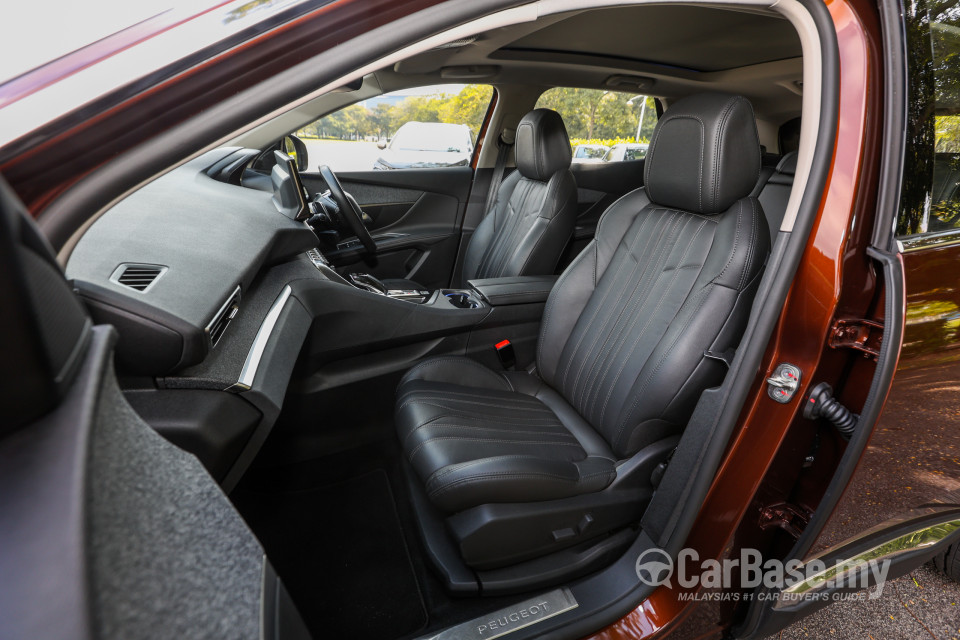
(67, 27)
(424, 136)
(58, 56)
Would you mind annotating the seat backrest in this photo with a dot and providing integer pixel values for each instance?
(776, 192)
(533, 217)
(670, 274)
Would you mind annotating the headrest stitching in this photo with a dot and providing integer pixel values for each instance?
(716, 143)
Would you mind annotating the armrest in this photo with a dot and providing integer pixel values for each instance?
(515, 290)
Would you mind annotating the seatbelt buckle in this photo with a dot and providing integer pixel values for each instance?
(505, 352)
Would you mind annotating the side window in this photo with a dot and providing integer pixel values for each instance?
(604, 126)
(417, 128)
(930, 196)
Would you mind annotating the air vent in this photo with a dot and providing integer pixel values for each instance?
(456, 44)
(138, 277)
(221, 320)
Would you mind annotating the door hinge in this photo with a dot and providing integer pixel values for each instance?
(789, 517)
(853, 333)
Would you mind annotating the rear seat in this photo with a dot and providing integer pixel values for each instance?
(775, 182)
(773, 191)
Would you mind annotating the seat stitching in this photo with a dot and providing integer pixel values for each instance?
(651, 275)
(480, 392)
(501, 475)
(702, 298)
(650, 316)
(441, 473)
(506, 240)
(540, 443)
(601, 306)
(581, 335)
(433, 403)
(715, 169)
(459, 466)
(642, 276)
(454, 396)
(474, 428)
(552, 300)
(736, 243)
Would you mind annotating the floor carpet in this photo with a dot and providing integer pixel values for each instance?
(340, 551)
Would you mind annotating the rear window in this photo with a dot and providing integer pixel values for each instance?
(604, 126)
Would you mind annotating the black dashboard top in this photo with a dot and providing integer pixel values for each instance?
(164, 265)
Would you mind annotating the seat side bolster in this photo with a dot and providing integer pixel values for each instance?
(515, 478)
(591, 441)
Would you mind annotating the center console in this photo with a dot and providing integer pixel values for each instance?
(363, 329)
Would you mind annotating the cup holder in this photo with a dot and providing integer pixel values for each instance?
(461, 300)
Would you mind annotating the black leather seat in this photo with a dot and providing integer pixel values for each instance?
(536, 207)
(775, 192)
(621, 357)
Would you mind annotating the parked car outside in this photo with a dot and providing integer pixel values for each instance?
(427, 144)
(589, 153)
(626, 151)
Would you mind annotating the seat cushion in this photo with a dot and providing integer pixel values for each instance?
(476, 436)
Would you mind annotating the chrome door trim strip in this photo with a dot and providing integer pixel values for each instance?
(921, 538)
(933, 240)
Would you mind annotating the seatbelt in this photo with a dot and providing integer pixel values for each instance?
(504, 144)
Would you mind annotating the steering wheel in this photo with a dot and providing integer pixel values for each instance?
(348, 206)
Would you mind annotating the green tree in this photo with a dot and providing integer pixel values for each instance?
(594, 113)
(468, 107)
(381, 117)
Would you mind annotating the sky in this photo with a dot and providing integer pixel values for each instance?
(38, 31)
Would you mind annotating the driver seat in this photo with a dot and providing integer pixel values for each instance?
(517, 464)
(532, 218)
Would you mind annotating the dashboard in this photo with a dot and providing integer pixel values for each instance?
(171, 265)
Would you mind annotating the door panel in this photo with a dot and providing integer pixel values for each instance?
(417, 215)
(912, 458)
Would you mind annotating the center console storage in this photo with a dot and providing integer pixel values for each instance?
(461, 299)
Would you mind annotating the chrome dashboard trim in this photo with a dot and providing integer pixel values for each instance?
(254, 355)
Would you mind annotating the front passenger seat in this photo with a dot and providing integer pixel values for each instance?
(532, 219)
(523, 464)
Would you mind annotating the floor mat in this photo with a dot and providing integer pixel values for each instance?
(340, 551)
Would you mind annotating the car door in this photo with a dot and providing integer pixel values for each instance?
(407, 159)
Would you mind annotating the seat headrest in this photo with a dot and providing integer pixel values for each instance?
(788, 164)
(543, 147)
(704, 155)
